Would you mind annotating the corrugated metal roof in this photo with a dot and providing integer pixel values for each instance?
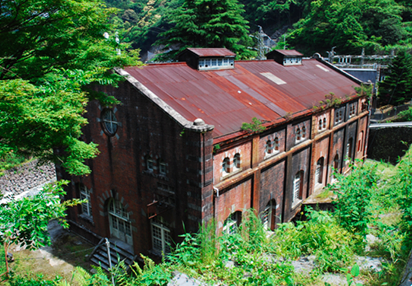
(212, 52)
(290, 53)
(228, 98)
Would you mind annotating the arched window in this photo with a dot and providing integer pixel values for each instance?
(109, 122)
(324, 123)
(236, 161)
(303, 132)
(276, 144)
(269, 146)
(268, 216)
(232, 223)
(226, 165)
(120, 225)
(297, 187)
(320, 125)
(298, 135)
(319, 171)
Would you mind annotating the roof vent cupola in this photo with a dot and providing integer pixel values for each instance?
(205, 59)
(286, 57)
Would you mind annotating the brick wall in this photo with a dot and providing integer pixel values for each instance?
(121, 171)
(272, 181)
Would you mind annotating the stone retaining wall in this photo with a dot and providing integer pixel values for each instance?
(386, 143)
(27, 176)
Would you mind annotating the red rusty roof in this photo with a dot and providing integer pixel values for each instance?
(212, 52)
(227, 98)
(289, 53)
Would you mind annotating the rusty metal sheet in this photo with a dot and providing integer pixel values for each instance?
(290, 53)
(227, 98)
(212, 52)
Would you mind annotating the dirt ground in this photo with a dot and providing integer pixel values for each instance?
(67, 251)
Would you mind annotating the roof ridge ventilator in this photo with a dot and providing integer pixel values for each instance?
(205, 59)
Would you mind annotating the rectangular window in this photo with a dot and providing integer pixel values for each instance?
(87, 206)
(162, 168)
(297, 188)
(161, 238)
(150, 164)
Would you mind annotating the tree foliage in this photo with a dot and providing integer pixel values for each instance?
(24, 221)
(51, 53)
(350, 26)
(208, 24)
(397, 86)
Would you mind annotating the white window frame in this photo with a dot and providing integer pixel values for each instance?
(110, 123)
(150, 163)
(339, 115)
(267, 215)
(298, 134)
(297, 184)
(216, 63)
(276, 144)
(237, 162)
(119, 218)
(162, 168)
(226, 165)
(85, 195)
(161, 243)
(231, 223)
(269, 147)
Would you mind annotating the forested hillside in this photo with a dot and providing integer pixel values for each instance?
(314, 25)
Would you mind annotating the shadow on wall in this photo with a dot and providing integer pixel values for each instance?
(389, 143)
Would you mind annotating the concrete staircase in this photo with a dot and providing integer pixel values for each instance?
(118, 252)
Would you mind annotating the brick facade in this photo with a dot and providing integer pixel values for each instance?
(161, 168)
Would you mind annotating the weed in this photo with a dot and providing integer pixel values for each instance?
(254, 127)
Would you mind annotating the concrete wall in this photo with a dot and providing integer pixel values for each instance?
(385, 143)
(27, 176)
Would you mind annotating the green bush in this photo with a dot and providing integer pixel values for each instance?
(321, 236)
(10, 160)
(353, 204)
(405, 115)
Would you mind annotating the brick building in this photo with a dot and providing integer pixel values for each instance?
(173, 154)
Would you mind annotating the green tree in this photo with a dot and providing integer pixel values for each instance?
(208, 24)
(51, 52)
(24, 221)
(397, 86)
(350, 26)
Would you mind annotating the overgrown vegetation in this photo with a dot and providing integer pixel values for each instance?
(373, 218)
(10, 160)
(255, 126)
(369, 201)
(405, 115)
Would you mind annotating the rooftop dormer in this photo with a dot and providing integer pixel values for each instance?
(286, 57)
(205, 59)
